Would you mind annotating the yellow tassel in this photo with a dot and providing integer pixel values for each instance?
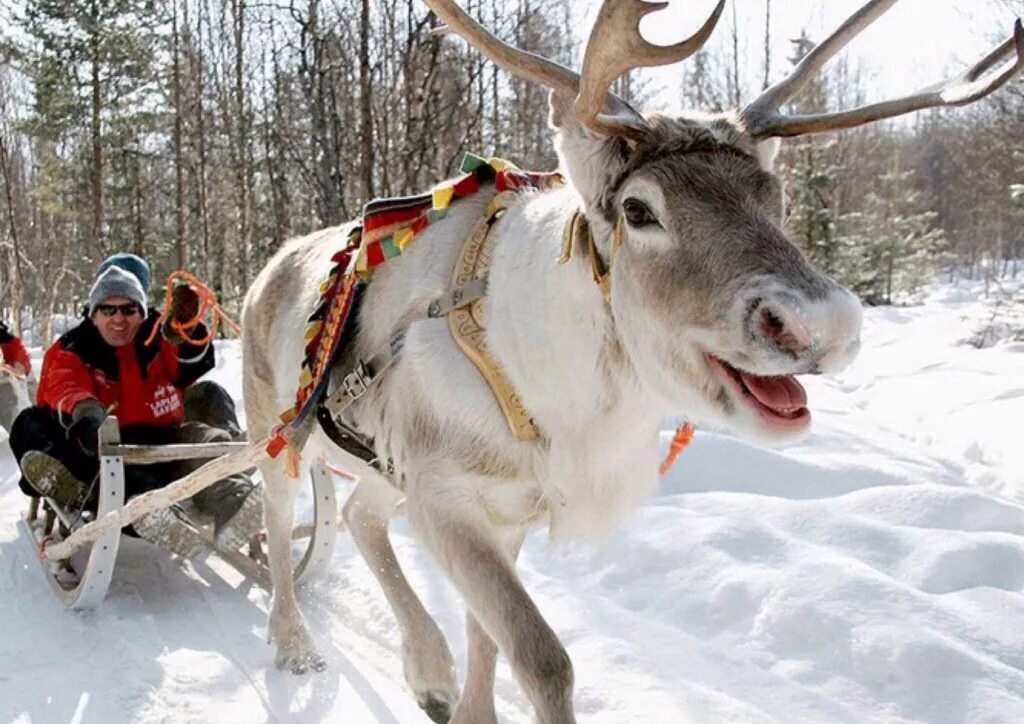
(326, 284)
(312, 330)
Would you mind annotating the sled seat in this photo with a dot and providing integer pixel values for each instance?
(81, 581)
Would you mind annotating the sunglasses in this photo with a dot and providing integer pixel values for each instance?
(109, 310)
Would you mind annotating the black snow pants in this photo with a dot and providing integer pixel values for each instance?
(209, 417)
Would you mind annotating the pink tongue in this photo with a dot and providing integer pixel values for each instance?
(778, 393)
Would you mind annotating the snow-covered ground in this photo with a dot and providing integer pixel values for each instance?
(872, 573)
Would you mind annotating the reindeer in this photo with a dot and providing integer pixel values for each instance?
(702, 308)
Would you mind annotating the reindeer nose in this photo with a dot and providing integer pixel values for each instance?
(778, 327)
(821, 333)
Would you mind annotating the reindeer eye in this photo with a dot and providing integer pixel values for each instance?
(638, 214)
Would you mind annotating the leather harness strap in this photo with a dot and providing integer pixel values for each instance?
(462, 304)
(365, 372)
(468, 325)
(355, 383)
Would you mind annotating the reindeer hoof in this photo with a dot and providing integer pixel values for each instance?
(436, 706)
(301, 663)
(305, 664)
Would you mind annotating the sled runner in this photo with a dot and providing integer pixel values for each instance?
(80, 570)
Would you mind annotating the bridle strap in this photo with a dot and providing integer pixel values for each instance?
(576, 234)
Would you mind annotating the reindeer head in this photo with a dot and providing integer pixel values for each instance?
(715, 308)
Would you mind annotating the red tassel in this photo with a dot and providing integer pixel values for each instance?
(276, 445)
(42, 547)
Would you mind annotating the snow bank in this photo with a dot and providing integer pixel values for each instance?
(872, 573)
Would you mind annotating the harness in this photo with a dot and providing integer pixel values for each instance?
(388, 228)
(468, 325)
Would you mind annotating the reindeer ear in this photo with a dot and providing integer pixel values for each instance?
(563, 117)
(766, 151)
(562, 111)
(590, 160)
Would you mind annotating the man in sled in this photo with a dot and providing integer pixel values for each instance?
(13, 350)
(102, 367)
(13, 389)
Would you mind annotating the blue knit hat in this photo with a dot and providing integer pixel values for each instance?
(116, 282)
(130, 263)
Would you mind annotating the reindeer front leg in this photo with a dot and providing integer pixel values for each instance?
(429, 668)
(287, 627)
(478, 561)
(477, 702)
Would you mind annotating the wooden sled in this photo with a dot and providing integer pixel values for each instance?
(81, 579)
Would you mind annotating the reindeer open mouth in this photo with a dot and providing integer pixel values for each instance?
(779, 400)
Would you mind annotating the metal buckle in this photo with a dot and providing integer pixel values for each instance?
(356, 382)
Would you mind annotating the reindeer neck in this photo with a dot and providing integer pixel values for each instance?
(549, 324)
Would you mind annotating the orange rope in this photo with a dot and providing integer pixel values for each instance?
(683, 437)
(339, 472)
(8, 370)
(208, 303)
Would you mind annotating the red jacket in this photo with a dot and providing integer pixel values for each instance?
(13, 349)
(15, 354)
(140, 384)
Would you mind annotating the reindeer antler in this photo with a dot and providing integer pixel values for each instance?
(615, 46)
(763, 118)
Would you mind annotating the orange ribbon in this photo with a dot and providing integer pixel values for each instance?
(683, 437)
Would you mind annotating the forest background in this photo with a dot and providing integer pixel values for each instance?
(202, 134)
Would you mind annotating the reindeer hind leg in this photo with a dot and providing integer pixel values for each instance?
(287, 627)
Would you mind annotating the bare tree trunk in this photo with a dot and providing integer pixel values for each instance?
(889, 270)
(767, 42)
(138, 247)
(51, 299)
(495, 94)
(735, 58)
(275, 153)
(17, 288)
(365, 105)
(243, 177)
(95, 134)
(324, 160)
(179, 163)
(478, 140)
(204, 208)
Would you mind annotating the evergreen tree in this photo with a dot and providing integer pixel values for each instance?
(811, 175)
(700, 89)
(811, 179)
(897, 244)
(93, 68)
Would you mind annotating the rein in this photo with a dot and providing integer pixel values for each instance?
(6, 369)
